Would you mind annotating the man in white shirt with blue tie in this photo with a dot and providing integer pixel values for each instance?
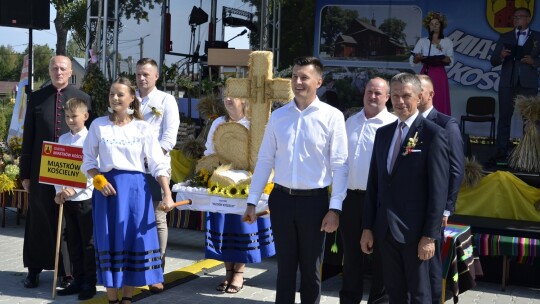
(161, 111)
(305, 142)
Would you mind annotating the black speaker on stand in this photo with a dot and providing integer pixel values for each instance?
(30, 14)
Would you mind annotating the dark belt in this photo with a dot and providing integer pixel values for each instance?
(301, 192)
(357, 191)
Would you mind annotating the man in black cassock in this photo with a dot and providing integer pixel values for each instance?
(44, 121)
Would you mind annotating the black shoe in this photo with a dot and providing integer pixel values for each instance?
(378, 299)
(66, 281)
(72, 289)
(31, 281)
(87, 292)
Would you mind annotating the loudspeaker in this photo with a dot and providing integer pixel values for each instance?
(215, 45)
(30, 14)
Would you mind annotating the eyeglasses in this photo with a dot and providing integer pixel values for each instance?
(519, 17)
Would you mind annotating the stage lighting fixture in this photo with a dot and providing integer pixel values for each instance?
(197, 16)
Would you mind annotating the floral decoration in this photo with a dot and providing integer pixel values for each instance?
(435, 15)
(99, 182)
(411, 144)
(9, 164)
(156, 112)
(334, 248)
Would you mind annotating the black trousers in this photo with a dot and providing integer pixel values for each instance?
(299, 241)
(406, 277)
(350, 224)
(80, 240)
(435, 271)
(506, 111)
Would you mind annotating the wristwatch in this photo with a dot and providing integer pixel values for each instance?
(336, 211)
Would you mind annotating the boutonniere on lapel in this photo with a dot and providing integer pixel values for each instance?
(411, 144)
(156, 112)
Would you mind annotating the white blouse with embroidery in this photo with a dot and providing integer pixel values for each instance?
(444, 47)
(123, 148)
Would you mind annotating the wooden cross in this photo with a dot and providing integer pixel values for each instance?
(260, 89)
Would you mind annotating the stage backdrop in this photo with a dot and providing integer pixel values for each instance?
(358, 40)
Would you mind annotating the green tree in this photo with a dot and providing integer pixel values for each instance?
(71, 15)
(95, 85)
(395, 28)
(42, 57)
(335, 22)
(74, 50)
(10, 64)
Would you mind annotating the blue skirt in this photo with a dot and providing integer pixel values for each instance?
(127, 247)
(229, 239)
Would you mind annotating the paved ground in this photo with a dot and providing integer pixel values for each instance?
(186, 252)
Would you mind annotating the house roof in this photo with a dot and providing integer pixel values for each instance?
(7, 87)
(79, 61)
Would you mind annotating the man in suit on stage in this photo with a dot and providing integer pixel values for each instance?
(457, 163)
(406, 194)
(519, 53)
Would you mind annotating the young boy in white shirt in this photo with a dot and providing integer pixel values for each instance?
(78, 210)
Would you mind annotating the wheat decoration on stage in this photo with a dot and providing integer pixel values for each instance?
(526, 155)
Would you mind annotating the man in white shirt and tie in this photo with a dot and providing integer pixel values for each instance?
(305, 142)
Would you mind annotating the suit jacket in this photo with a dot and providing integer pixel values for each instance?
(527, 74)
(410, 201)
(455, 153)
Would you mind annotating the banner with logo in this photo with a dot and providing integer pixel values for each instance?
(358, 40)
(61, 165)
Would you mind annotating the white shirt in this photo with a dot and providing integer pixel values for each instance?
(76, 140)
(166, 125)
(210, 139)
(307, 150)
(123, 148)
(408, 124)
(360, 137)
(522, 38)
(445, 47)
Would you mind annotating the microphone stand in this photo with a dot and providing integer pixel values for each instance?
(429, 52)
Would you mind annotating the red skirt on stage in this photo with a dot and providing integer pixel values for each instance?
(441, 100)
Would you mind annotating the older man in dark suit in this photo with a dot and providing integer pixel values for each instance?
(457, 163)
(518, 51)
(406, 194)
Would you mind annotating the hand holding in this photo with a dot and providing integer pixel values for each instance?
(58, 198)
(167, 203)
(330, 222)
(26, 184)
(426, 248)
(249, 215)
(418, 57)
(527, 59)
(108, 189)
(505, 53)
(444, 221)
(366, 241)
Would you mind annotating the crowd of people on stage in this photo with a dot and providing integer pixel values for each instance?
(388, 179)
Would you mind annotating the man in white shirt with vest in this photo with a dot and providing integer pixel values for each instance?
(161, 111)
(305, 142)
